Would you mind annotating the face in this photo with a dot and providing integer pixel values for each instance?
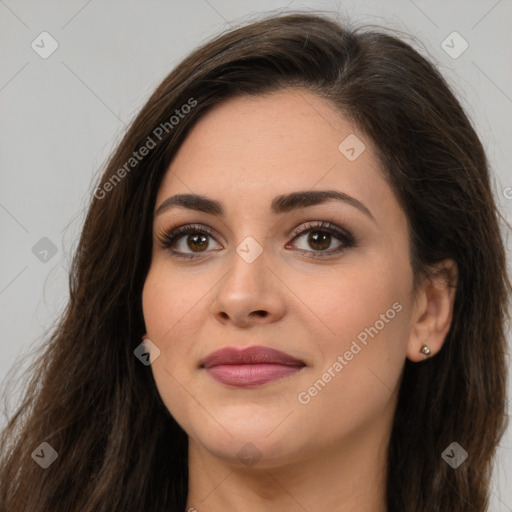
(325, 280)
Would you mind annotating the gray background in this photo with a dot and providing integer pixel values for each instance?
(63, 115)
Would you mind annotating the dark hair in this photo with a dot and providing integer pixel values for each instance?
(119, 449)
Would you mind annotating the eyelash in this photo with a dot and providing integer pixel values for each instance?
(167, 239)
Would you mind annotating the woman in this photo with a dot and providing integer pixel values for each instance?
(290, 293)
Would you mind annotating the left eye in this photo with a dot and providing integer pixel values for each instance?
(320, 236)
(196, 239)
(319, 240)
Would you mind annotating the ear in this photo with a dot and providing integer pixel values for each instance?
(433, 311)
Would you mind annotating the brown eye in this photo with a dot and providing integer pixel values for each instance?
(187, 240)
(319, 240)
(191, 241)
(316, 240)
(197, 243)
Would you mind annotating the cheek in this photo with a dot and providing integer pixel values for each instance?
(159, 293)
(357, 299)
(368, 314)
(172, 314)
(170, 300)
(168, 308)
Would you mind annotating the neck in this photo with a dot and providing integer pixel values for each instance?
(348, 478)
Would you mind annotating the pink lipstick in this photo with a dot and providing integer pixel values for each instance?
(250, 367)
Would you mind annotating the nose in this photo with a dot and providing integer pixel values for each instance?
(249, 293)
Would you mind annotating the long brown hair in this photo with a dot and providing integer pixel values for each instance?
(92, 400)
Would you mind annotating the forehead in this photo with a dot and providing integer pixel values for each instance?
(256, 147)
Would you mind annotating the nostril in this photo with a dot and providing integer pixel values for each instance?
(261, 313)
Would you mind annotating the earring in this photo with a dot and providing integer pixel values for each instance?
(425, 350)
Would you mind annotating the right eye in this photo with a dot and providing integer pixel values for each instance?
(196, 240)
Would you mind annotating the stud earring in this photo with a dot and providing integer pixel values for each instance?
(425, 350)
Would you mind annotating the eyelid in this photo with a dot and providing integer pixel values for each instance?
(322, 225)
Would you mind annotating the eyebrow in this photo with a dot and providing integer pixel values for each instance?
(280, 204)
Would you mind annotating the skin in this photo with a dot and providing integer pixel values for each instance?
(328, 454)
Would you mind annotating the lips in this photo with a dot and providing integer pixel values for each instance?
(249, 367)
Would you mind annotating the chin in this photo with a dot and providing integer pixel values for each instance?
(256, 451)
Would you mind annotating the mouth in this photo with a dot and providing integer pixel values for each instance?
(250, 367)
